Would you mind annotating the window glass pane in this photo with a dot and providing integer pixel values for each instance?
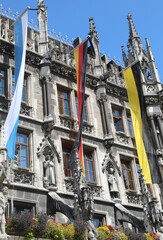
(96, 222)
(130, 125)
(65, 95)
(66, 154)
(2, 82)
(116, 113)
(127, 174)
(24, 94)
(63, 102)
(24, 91)
(66, 106)
(118, 125)
(90, 166)
(86, 170)
(117, 117)
(23, 138)
(21, 152)
(24, 151)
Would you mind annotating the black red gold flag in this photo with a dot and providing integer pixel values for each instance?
(145, 146)
(81, 62)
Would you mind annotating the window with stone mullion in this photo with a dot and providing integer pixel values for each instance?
(127, 175)
(66, 153)
(64, 102)
(89, 167)
(117, 117)
(22, 150)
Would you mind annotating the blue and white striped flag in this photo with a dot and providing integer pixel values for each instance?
(12, 119)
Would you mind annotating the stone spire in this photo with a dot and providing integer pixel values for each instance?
(92, 28)
(149, 51)
(98, 69)
(133, 33)
(134, 39)
(42, 22)
(152, 64)
(125, 60)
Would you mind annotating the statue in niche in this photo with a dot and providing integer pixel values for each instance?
(3, 204)
(112, 182)
(49, 170)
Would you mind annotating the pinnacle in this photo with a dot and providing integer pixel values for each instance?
(133, 33)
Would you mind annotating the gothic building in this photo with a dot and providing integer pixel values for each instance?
(48, 124)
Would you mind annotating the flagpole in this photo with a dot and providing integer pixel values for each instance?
(81, 43)
(20, 16)
(133, 63)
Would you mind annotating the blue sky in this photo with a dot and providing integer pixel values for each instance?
(71, 18)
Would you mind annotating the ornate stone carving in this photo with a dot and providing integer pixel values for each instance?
(160, 93)
(6, 48)
(33, 59)
(3, 204)
(11, 36)
(47, 141)
(92, 82)
(96, 190)
(134, 198)
(68, 123)
(87, 128)
(150, 100)
(23, 176)
(116, 91)
(150, 88)
(70, 73)
(30, 44)
(122, 138)
(69, 184)
(3, 102)
(25, 109)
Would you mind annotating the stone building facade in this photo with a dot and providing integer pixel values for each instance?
(48, 124)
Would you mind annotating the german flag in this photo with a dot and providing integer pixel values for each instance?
(81, 62)
(145, 146)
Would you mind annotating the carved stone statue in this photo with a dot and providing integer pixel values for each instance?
(112, 182)
(3, 204)
(49, 171)
(92, 233)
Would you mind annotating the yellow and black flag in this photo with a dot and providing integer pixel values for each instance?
(145, 147)
(81, 63)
